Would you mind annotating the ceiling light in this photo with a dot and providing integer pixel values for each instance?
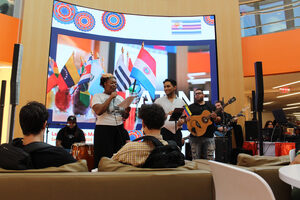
(286, 84)
(296, 113)
(293, 104)
(290, 108)
(268, 103)
(286, 95)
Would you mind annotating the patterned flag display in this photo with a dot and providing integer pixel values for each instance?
(52, 79)
(69, 75)
(122, 75)
(144, 71)
(186, 26)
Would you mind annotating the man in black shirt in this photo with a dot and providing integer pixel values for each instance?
(70, 134)
(33, 119)
(203, 147)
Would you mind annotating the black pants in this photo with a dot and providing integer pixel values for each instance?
(168, 135)
(108, 140)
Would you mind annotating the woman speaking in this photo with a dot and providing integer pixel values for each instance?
(109, 134)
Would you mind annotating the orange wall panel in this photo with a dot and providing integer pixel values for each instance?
(8, 36)
(198, 62)
(279, 52)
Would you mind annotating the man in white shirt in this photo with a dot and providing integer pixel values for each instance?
(171, 129)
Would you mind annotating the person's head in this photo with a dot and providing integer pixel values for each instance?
(219, 105)
(170, 86)
(33, 118)
(199, 96)
(153, 116)
(269, 124)
(71, 121)
(108, 82)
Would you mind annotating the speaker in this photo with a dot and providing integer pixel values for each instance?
(253, 106)
(259, 83)
(223, 149)
(16, 74)
(251, 130)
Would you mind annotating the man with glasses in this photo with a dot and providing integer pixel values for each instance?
(203, 147)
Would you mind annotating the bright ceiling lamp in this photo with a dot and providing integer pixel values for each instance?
(268, 103)
(290, 108)
(291, 83)
(293, 104)
(286, 95)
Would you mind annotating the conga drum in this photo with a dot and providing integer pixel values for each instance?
(83, 151)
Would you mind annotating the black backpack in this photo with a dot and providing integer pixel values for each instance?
(15, 158)
(163, 156)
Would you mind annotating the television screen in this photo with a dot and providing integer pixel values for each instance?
(86, 42)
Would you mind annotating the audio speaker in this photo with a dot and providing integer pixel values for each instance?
(251, 130)
(16, 74)
(253, 105)
(259, 95)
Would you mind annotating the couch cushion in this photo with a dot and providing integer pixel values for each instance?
(250, 161)
(79, 166)
(108, 165)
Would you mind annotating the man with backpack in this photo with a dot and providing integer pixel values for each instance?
(30, 152)
(153, 151)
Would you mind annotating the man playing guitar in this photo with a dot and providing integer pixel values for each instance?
(203, 146)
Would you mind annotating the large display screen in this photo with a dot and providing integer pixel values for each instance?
(85, 43)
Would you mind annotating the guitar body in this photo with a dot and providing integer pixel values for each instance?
(198, 124)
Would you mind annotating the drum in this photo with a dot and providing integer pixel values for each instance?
(84, 151)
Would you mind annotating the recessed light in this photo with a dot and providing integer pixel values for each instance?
(268, 103)
(286, 95)
(290, 108)
(291, 83)
(293, 104)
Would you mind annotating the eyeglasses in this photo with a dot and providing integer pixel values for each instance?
(198, 93)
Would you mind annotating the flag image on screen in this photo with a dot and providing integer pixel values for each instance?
(52, 79)
(122, 75)
(144, 71)
(186, 26)
(68, 75)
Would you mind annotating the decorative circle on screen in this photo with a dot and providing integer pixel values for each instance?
(113, 21)
(84, 21)
(134, 134)
(210, 20)
(64, 13)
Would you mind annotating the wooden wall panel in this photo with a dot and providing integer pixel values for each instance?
(36, 34)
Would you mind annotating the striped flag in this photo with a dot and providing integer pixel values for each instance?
(85, 76)
(144, 71)
(96, 73)
(68, 75)
(52, 79)
(122, 75)
(186, 26)
(187, 111)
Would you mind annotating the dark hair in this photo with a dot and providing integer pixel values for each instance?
(267, 123)
(153, 115)
(32, 117)
(105, 77)
(219, 101)
(71, 118)
(173, 82)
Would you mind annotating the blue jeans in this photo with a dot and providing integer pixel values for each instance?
(202, 148)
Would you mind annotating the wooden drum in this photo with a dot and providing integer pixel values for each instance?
(83, 151)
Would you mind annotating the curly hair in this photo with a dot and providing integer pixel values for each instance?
(32, 118)
(105, 77)
(173, 82)
(153, 115)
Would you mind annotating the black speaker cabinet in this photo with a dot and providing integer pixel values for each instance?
(259, 95)
(251, 130)
(16, 74)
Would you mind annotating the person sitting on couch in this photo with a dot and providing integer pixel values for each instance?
(33, 119)
(153, 118)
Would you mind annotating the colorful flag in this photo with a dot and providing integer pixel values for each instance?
(130, 65)
(186, 26)
(52, 79)
(69, 75)
(187, 111)
(85, 76)
(144, 71)
(122, 75)
(84, 98)
(96, 73)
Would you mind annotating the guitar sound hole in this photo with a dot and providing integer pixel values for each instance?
(204, 120)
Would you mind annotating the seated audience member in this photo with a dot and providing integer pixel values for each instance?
(70, 134)
(33, 119)
(135, 153)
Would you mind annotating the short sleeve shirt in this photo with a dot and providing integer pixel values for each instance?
(169, 106)
(109, 117)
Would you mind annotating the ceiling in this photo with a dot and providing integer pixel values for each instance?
(271, 95)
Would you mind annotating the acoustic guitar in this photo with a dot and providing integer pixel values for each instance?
(198, 124)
